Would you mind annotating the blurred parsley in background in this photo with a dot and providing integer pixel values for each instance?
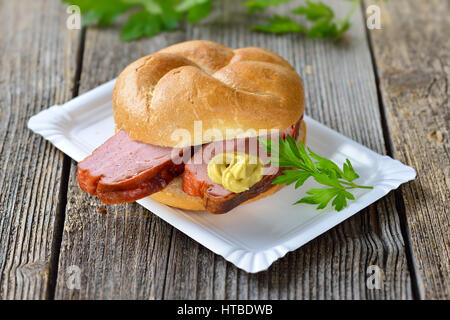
(321, 19)
(150, 17)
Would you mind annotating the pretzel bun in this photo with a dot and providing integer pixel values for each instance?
(243, 89)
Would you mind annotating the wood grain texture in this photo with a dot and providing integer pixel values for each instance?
(130, 253)
(121, 250)
(38, 63)
(414, 82)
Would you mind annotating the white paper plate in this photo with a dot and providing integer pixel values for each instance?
(251, 236)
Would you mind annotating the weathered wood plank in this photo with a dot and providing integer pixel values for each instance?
(121, 250)
(38, 66)
(341, 93)
(414, 86)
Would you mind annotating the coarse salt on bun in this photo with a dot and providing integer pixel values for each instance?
(243, 89)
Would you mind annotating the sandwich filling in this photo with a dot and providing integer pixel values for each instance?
(216, 197)
(224, 173)
(124, 170)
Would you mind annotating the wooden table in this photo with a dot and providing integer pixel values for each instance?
(387, 89)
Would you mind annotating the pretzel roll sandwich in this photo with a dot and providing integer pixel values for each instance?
(188, 121)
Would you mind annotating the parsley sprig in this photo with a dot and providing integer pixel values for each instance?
(306, 164)
(260, 5)
(146, 17)
(320, 18)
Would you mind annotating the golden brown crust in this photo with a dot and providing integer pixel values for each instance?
(250, 88)
(174, 196)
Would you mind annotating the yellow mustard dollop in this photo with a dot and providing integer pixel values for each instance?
(236, 171)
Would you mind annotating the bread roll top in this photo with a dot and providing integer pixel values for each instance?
(234, 93)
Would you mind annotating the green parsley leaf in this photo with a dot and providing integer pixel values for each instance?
(196, 9)
(152, 6)
(305, 164)
(323, 29)
(321, 19)
(349, 173)
(279, 25)
(102, 12)
(344, 25)
(326, 165)
(323, 178)
(319, 196)
(339, 201)
(169, 16)
(324, 25)
(315, 11)
(261, 5)
(141, 24)
(148, 18)
(290, 176)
